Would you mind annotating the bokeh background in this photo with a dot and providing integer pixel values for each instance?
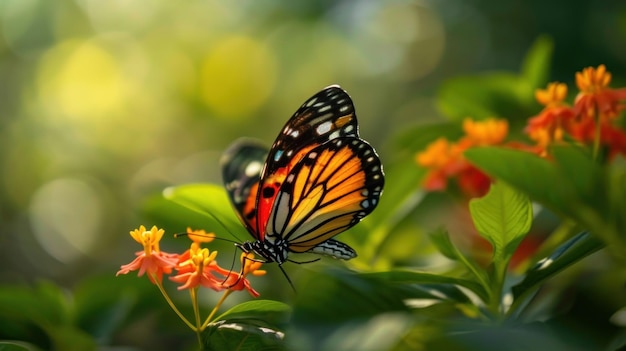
(103, 104)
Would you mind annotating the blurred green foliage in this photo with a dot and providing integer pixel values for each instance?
(103, 104)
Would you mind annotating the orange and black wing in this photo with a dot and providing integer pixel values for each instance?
(329, 190)
(241, 165)
(327, 115)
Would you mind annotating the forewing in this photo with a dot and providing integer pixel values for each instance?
(241, 165)
(327, 115)
(331, 189)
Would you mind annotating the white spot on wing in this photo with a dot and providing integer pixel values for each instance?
(253, 169)
(324, 128)
(310, 102)
(323, 109)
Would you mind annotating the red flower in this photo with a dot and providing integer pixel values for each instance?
(551, 123)
(596, 99)
(196, 267)
(445, 160)
(238, 281)
(151, 259)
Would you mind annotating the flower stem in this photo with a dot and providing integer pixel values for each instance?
(159, 284)
(194, 302)
(196, 312)
(217, 306)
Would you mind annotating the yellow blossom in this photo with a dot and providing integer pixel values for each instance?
(491, 131)
(553, 95)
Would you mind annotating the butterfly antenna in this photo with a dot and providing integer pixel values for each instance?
(223, 226)
(177, 235)
(288, 279)
(232, 265)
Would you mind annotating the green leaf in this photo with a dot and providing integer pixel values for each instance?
(400, 196)
(252, 325)
(337, 296)
(440, 286)
(570, 252)
(498, 94)
(442, 241)
(42, 305)
(536, 65)
(17, 346)
(242, 335)
(563, 183)
(415, 139)
(272, 312)
(570, 184)
(212, 201)
(480, 97)
(503, 217)
(104, 303)
(27, 312)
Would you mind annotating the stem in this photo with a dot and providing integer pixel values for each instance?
(495, 304)
(217, 306)
(477, 273)
(159, 284)
(196, 312)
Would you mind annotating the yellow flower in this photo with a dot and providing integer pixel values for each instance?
(592, 80)
(553, 95)
(197, 267)
(151, 259)
(437, 154)
(148, 238)
(491, 131)
(200, 235)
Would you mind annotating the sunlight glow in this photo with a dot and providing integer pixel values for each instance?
(66, 217)
(238, 75)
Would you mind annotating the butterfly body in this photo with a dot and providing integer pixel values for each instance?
(318, 179)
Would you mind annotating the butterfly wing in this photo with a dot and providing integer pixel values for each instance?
(334, 248)
(327, 115)
(329, 190)
(241, 165)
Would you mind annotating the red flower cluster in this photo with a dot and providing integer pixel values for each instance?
(196, 267)
(591, 121)
(445, 160)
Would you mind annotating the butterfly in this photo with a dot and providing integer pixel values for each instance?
(318, 179)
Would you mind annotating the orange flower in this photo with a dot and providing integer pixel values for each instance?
(445, 160)
(200, 235)
(596, 100)
(238, 281)
(549, 125)
(151, 259)
(553, 95)
(487, 132)
(196, 267)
